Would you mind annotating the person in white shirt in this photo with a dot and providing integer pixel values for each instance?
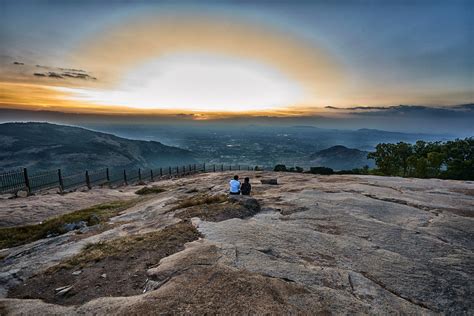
(234, 186)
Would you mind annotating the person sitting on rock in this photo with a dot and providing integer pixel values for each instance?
(245, 188)
(235, 185)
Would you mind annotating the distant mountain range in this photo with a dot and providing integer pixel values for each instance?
(341, 158)
(44, 146)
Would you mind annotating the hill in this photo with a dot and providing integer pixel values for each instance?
(341, 158)
(44, 146)
(310, 245)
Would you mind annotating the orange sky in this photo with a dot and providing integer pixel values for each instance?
(211, 67)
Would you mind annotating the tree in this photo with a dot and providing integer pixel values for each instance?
(435, 161)
(450, 160)
(385, 158)
(402, 152)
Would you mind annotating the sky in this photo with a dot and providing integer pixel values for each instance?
(340, 60)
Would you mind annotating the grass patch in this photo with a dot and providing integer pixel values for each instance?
(15, 236)
(171, 237)
(216, 208)
(150, 190)
(200, 199)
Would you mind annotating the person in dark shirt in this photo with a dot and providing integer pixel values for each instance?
(245, 188)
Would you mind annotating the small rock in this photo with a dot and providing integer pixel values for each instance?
(22, 194)
(195, 221)
(73, 226)
(269, 181)
(104, 275)
(63, 290)
(77, 272)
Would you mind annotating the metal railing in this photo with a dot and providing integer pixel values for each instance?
(21, 180)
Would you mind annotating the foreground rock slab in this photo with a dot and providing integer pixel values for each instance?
(317, 245)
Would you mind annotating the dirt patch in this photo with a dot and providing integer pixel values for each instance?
(112, 268)
(230, 207)
(15, 236)
(217, 289)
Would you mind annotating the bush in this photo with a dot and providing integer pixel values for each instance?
(296, 169)
(321, 170)
(364, 170)
(280, 168)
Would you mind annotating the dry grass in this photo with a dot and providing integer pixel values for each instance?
(15, 236)
(150, 190)
(200, 199)
(170, 237)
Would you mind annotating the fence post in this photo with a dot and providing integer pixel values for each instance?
(125, 177)
(230, 167)
(88, 180)
(27, 181)
(194, 167)
(60, 178)
(204, 167)
(239, 167)
(161, 172)
(214, 167)
(177, 171)
(169, 171)
(107, 174)
(151, 175)
(139, 175)
(222, 167)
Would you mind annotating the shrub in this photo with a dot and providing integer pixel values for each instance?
(321, 170)
(150, 190)
(280, 168)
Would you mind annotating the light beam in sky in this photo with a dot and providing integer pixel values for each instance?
(205, 64)
(201, 82)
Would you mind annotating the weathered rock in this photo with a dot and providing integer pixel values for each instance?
(338, 244)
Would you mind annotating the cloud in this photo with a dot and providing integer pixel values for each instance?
(403, 110)
(64, 73)
(72, 69)
(52, 72)
(357, 108)
(78, 75)
(54, 75)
